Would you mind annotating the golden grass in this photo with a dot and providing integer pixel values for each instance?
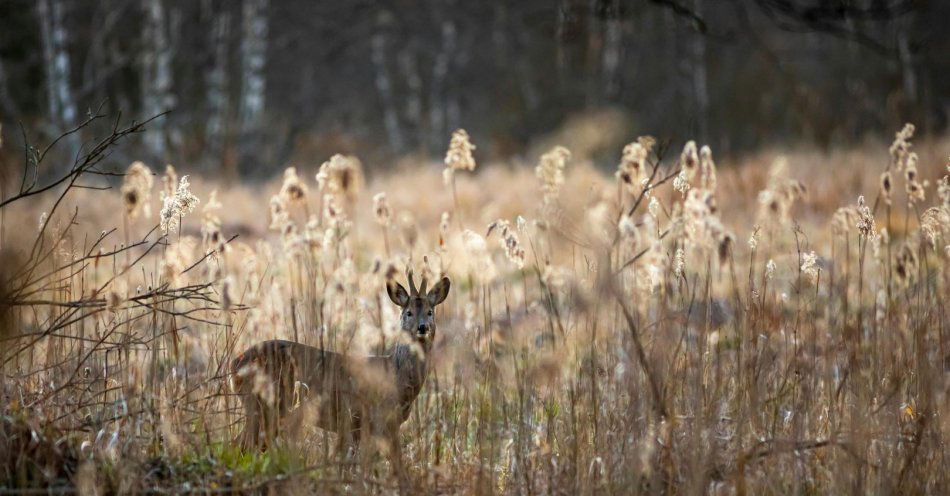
(661, 357)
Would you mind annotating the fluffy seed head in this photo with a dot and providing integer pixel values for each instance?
(708, 167)
(509, 241)
(632, 169)
(901, 146)
(887, 185)
(915, 190)
(810, 265)
(628, 230)
(550, 171)
(754, 239)
(381, 210)
(169, 181)
(341, 176)
(293, 190)
(865, 222)
(137, 190)
(459, 155)
(906, 264)
(181, 202)
(935, 225)
(689, 160)
(681, 182)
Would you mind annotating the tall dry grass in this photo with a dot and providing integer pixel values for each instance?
(775, 326)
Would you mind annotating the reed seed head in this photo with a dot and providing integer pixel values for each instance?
(176, 205)
(341, 176)
(381, 210)
(632, 169)
(810, 265)
(137, 190)
(459, 155)
(550, 170)
(689, 160)
(293, 189)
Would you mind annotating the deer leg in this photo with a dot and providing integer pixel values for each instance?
(355, 428)
(250, 437)
(270, 418)
(395, 452)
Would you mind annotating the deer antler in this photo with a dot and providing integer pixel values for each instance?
(422, 287)
(412, 285)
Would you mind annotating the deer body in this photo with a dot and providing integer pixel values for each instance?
(351, 393)
(344, 387)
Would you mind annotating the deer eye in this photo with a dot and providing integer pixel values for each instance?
(430, 313)
(408, 314)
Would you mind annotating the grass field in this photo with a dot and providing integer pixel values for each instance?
(776, 325)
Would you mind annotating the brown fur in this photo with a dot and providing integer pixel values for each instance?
(351, 394)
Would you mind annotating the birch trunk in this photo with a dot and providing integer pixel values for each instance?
(613, 39)
(699, 76)
(526, 81)
(560, 34)
(409, 65)
(217, 86)
(594, 54)
(908, 71)
(157, 94)
(7, 104)
(253, 60)
(384, 82)
(438, 102)
(62, 108)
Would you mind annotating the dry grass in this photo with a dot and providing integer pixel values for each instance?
(600, 341)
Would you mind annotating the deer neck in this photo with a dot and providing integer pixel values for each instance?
(410, 364)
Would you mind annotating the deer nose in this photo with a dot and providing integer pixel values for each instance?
(423, 329)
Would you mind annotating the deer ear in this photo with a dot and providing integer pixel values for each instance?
(397, 293)
(439, 292)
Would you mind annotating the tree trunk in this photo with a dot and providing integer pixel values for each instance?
(908, 71)
(594, 55)
(7, 105)
(62, 108)
(438, 101)
(613, 50)
(253, 60)
(157, 94)
(409, 65)
(560, 56)
(217, 89)
(499, 35)
(384, 82)
(525, 73)
(700, 90)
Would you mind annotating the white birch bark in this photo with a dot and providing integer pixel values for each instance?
(613, 39)
(699, 79)
(499, 34)
(438, 101)
(409, 66)
(6, 101)
(157, 96)
(384, 82)
(217, 84)
(253, 60)
(563, 11)
(62, 108)
(594, 54)
(526, 82)
(908, 72)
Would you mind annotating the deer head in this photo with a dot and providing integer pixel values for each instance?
(418, 306)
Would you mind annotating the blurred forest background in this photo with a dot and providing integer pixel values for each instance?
(253, 85)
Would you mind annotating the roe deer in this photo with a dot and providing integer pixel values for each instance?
(351, 394)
